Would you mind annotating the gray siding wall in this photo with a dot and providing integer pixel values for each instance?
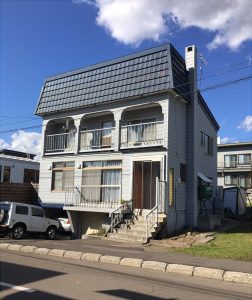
(176, 156)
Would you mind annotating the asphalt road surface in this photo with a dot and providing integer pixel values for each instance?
(30, 276)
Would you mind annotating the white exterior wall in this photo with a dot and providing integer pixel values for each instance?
(17, 167)
(48, 196)
(52, 197)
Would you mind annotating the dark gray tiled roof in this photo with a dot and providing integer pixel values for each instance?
(152, 71)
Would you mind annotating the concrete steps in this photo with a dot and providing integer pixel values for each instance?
(134, 229)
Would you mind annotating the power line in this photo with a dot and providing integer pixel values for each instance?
(16, 129)
(219, 85)
(25, 121)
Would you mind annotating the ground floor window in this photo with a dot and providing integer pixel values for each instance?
(62, 175)
(6, 174)
(230, 179)
(31, 175)
(101, 181)
(242, 180)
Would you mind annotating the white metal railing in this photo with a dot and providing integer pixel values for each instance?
(235, 164)
(116, 218)
(152, 216)
(108, 197)
(97, 139)
(143, 134)
(62, 142)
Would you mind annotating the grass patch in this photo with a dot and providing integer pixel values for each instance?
(234, 244)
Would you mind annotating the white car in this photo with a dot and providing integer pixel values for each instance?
(64, 224)
(18, 218)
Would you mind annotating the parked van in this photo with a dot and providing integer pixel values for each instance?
(18, 218)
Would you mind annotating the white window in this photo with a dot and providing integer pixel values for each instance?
(62, 175)
(244, 159)
(230, 179)
(101, 181)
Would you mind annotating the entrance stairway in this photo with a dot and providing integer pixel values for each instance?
(134, 228)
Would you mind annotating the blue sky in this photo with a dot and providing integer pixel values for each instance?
(43, 38)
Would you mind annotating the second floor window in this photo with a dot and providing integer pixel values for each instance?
(62, 175)
(207, 142)
(230, 161)
(244, 159)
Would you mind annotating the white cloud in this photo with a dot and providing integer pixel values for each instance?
(246, 124)
(227, 140)
(132, 21)
(24, 141)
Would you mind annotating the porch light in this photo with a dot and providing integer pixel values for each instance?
(79, 166)
(49, 167)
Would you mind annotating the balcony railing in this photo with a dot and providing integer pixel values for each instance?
(142, 135)
(235, 165)
(97, 139)
(63, 142)
(101, 197)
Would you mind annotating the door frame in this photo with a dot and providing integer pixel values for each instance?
(158, 158)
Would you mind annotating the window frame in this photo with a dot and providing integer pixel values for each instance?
(62, 169)
(4, 169)
(206, 142)
(22, 207)
(246, 162)
(231, 183)
(102, 166)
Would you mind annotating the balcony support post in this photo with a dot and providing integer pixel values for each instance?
(43, 136)
(117, 118)
(77, 122)
(165, 107)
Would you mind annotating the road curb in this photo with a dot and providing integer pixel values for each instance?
(195, 271)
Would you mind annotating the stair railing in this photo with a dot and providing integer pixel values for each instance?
(152, 216)
(116, 218)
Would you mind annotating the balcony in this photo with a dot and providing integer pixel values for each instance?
(148, 134)
(62, 142)
(93, 198)
(234, 166)
(97, 139)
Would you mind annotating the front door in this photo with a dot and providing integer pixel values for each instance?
(144, 183)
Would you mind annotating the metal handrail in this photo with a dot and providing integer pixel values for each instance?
(116, 218)
(152, 216)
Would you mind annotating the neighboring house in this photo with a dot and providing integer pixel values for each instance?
(111, 129)
(235, 166)
(18, 167)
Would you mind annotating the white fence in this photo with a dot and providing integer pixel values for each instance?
(144, 134)
(62, 142)
(97, 139)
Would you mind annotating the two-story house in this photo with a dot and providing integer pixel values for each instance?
(130, 132)
(235, 166)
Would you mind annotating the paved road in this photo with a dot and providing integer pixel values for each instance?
(134, 250)
(57, 279)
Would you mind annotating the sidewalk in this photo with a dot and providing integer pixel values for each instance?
(108, 247)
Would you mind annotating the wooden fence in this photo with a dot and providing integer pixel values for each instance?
(19, 192)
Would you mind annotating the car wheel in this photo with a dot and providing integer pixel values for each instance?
(18, 232)
(51, 233)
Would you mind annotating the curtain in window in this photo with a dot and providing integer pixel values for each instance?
(91, 181)
(110, 178)
(230, 161)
